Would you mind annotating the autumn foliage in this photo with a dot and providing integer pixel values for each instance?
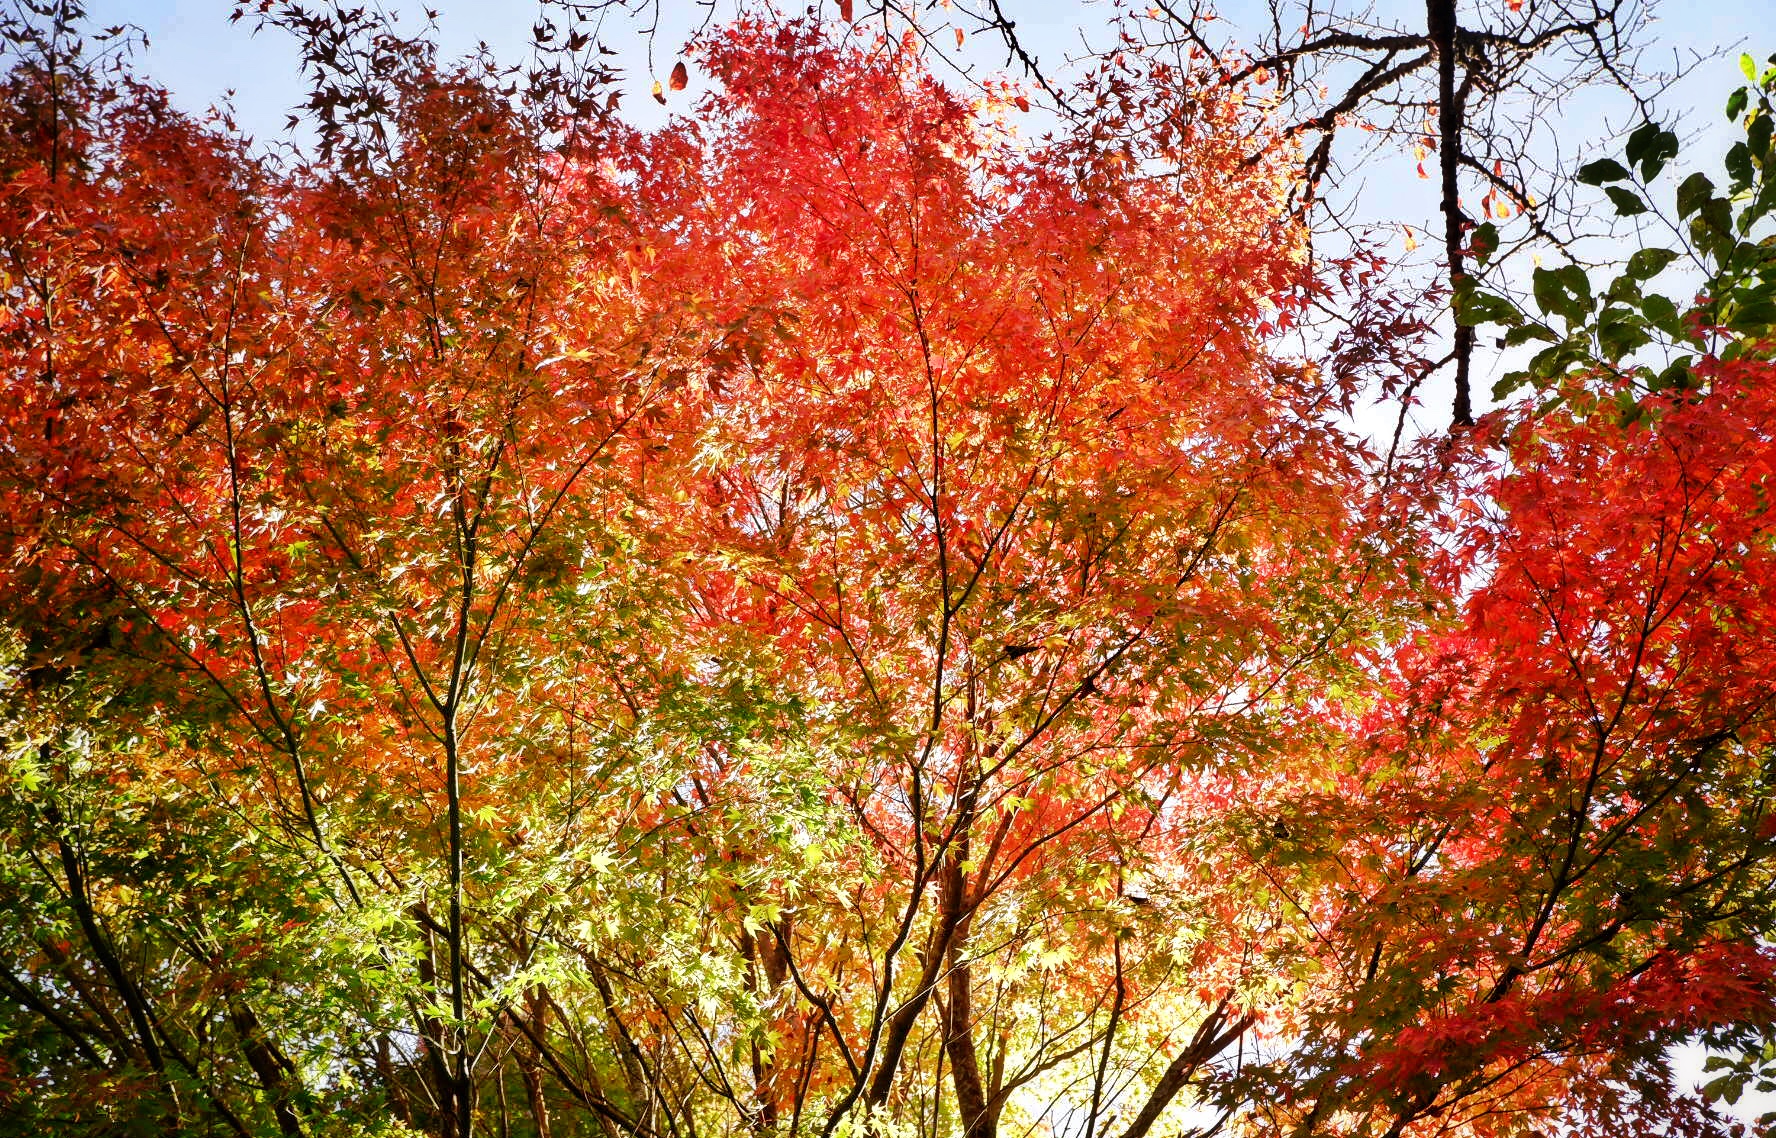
(836, 615)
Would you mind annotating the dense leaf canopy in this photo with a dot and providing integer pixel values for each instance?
(838, 616)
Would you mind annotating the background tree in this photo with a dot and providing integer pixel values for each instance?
(1476, 91)
(294, 452)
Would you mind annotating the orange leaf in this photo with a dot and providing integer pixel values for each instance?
(680, 76)
(659, 93)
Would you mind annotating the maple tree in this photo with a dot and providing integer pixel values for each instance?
(837, 616)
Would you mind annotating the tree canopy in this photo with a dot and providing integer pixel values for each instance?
(842, 616)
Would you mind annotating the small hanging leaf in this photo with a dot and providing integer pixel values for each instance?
(1483, 243)
(1693, 194)
(1650, 147)
(1601, 171)
(1647, 263)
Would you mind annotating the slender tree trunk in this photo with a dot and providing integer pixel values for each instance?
(764, 952)
(385, 1070)
(979, 1119)
(270, 1065)
(532, 1067)
(900, 1025)
(462, 1085)
(1212, 1037)
(435, 1042)
(1440, 20)
(135, 1003)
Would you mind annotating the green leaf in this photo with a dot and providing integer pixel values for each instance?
(1648, 263)
(1627, 202)
(1623, 290)
(1640, 140)
(1676, 375)
(1546, 288)
(1619, 332)
(1747, 259)
(1711, 231)
(1753, 315)
(1508, 383)
(1484, 242)
(1650, 147)
(1662, 314)
(1576, 283)
(1552, 361)
(1564, 292)
(1474, 307)
(1693, 194)
(1748, 65)
(1736, 103)
(1717, 215)
(1765, 203)
(1757, 135)
(1601, 171)
(1524, 333)
(1739, 167)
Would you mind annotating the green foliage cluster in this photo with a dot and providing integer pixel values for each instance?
(1723, 248)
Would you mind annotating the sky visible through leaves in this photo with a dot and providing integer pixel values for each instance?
(205, 60)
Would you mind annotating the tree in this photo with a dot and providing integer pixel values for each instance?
(828, 617)
(1614, 664)
(1006, 448)
(1475, 95)
(297, 450)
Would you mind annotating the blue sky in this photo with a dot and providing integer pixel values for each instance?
(199, 55)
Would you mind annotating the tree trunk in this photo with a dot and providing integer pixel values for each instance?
(270, 1065)
(532, 1067)
(979, 1119)
(1440, 24)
